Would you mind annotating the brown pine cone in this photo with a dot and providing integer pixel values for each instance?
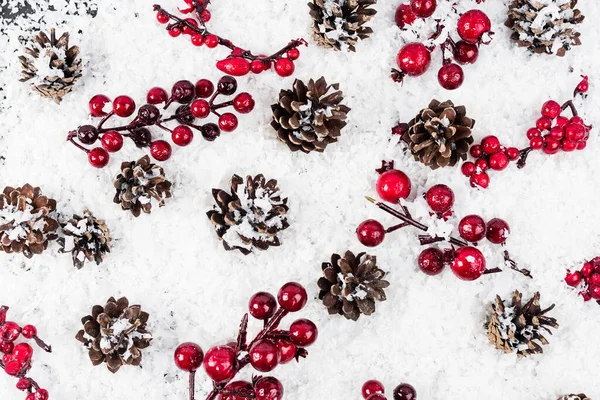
(519, 327)
(351, 285)
(115, 334)
(251, 216)
(580, 396)
(309, 117)
(86, 238)
(440, 135)
(542, 25)
(27, 220)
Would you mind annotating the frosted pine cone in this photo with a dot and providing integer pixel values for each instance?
(86, 238)
(580, 396)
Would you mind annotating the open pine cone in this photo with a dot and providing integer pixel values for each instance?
(138, 183)
(580, 396)
(351, 285)
(440, 135)
(545, 26)
(519, 327)
(51, 64)
(27, 220)
(338, 24)
(251, 216)
(309, 117)
(86, 238)
(115, 334)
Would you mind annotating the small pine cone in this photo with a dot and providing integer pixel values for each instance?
(251, 216)
(519, 327)
(580, 396)
(86, 238)
(352, 284)
(115, 334)
(51, 65)
(138, 183)
(440, 135)
(309, 117)
(27, 220)
(338, 24)
(545, 26)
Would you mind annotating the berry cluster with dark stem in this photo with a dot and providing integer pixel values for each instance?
(586, 280)
(270, 347)
(195, 102)
(240, 62)
(374, 390)
(16, 359)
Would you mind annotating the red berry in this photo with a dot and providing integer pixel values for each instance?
(551, 109)
(465, 53)
(404, 391)
(244, 387)
(10, 331)
(468, 264)
(584, 85)
(188, 356)
(13, 368)
(468, 168)
(284, 67)
(157, 95)
(182, 135)
(451, 76)
(490, 144)
(533, 133)
(431, 261)
(404, 15)
(228, 122)
(23, 384)
(243, 103)
(472, 228)
(576, 119)
(264, 355)
(123, 106)
(472, 25)
(293, 54)
(160, 150)
(29, 331)
(440, 198)
(262, 305)
(574, 132)
(551, 145)
(376, 396)
(498, 161)
(292, 297)
(205, 15)
(97, 104)
(595, 292)
(594, 279)
(587, 269)
(303, 332)
(562, 121)
(112, 141)
(413, 59)
(543, 123)
(236, 66)
(370, 233)
(268, 388)
(573, 279)
(581, 145)
(482, 164)
(98, 157)
(220, 363)
(197, 39)
(23, 353)
(211, 41)
(513, 153)
(175, 31)
(480, 179)
(200, 108)
(372, 387)
(6, 347)
(568, 145)
(497, 231)
(423, 8)
(187, 30)
(393, 185)
(536, 143)
(476, 151)
(257, 66)
(162, 18)
(287, 350)
(204, 88)
(557, 133)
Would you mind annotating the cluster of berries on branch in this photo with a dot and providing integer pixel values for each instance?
(270, 348)
(464, 258)
(414, 58)
(195, 101)
(16, 359)
(586, 280)
(374, 390)
(240, 62)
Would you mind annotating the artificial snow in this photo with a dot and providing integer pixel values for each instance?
(429, 332)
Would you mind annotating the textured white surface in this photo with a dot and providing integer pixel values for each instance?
(428, 333)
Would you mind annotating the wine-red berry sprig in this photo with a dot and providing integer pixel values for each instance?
(586, 280)
(464, 258)
(270, 348)
(195, 102)
(240, 62)
(374, 390)
(16, 359)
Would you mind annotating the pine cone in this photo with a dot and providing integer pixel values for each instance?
(440, 134)
(580, 396)
(351, 285)
(53, 64)
(541, 26)
(138, 183)
(115, 334)
(519, 327)
(251, 216)
(338, 24)
(309, 117)
(85, 238)
(27, 220)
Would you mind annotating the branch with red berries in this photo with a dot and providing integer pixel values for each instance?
(374, 390)
(240, 62)
(586, 280)
(270, 347)
(16, 360)
(466, 261)
(197, 101)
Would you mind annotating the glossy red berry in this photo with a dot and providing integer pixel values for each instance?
(205, 16)
(551, 145)
(303, 332)
(468, 168)
(482, 164)
(293, 54)
(404, 391)
(228, 122)
(587, 269)
(533, 133)
(480, 179)
(431, 261)
(584, 85)
(472, 25)
(257, 66)
(372, 387)
(23, 384)
(220, 363)
(160, 150)
(23, 352)
(157, 95)
(497, 231)
(13, 368)
(98, 157)
(413, 59)
(465, 52)
(423, 8)
(192, 22)
(264, 355)
(543, 123)
(377, 396)
(183, 91)
(498, 161)
(237, 386)
(197, 39)
(568, 145)
(188, 356)
(472, 228)
(513, 153)
(211, 41)
(561, 121)
(370, 233)
(575, 132)
(204, 88)
(557, 133)
(476, 151)
(182, 135)
(595, 292)
(112, 141)
(451, 76)
(292, 297)
(268, 388)
(6, 347)
(243, 103)
(551, 109)
(287, 350)
(440, 198)
(594, 279)
(200, 108)
(162, 18)
(468, 264)
(97, 104)
(123, 106)
(404, 15)
(236, 66)
(262, 305)
(284, 67)
(490, 144)
(393, 185)
(536, 143)
(10, 331)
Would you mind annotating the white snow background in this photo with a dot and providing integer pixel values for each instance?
(428, 333)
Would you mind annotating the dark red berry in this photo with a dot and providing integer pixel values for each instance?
(472, 228)
(268, 388)
(476, 151)
(497, 231)
(160, 150)
(188, 356)
(490, 144)
(98, 157)
(372, 387)
(451, 76)
(404, 15)
(284, 67)
(204, 88)
(182, 135)
(440, 198)
(242, 387)
(148, 114)
(423, 8)
(264, 355)
(287, 350)
(227, 85)
(370, 233)
(228, 122)
(480, 179)
(468, 264)
(431, 261)
(220, 363)
(498, 161)
(183, 92)
(243, 103)
(200, 108)
(472, 25)
(292, 297)
(112, 141)
(413, 59)
(595, 292)
(97, 104)
(210, 131)
(393, 185)
(157, 95)
(404, 391)
(87, 134)
(262, 305)
(465, 52)
(551, 109)
(293, 54)
(303, 332)
(468, 168)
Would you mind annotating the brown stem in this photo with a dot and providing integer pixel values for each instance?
(103, 120)
(241, 339)
(42, 344)
(192, 384)
(492, 271)
(513, 265)
(571, 105)
(77, 145)
(523, 154)
(396, 227)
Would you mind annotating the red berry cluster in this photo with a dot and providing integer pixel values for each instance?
(374, 390)
(414, 59)
(270, 347)
(240, 62)
(587, 279)
(489, 154)
(16, 360)
(195, 102)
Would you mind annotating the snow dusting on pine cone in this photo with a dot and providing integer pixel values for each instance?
(250, 217)
(115, 334)
(86, 238)
(580, 396)
(27, 220)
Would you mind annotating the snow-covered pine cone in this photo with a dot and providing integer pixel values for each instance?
(580, 396)
(86, 238)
